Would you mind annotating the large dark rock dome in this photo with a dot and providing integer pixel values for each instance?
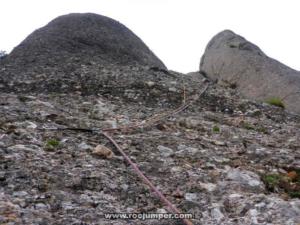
(76, 52)
(86, 35)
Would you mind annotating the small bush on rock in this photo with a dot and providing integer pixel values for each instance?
(276, 102)
(52, 144)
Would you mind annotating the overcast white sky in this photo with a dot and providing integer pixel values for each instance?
(176, 30)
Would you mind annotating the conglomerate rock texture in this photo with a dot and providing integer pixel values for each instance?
(224, 159)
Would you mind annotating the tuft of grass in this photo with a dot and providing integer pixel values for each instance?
(216, 129)
(272, 181)
(248, 126)
(52, 143)
(288, 183)
(276, 102)
(294, 194)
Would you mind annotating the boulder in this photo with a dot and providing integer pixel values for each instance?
(231, 59)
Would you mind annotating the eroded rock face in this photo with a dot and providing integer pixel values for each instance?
(231, 59)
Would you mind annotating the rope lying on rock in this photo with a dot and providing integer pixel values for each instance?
(146, 123)
(145, 179)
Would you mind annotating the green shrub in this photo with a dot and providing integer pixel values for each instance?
(272, 181)
(276, 102)
(294, 194)
(288, 183)
(216, 129)
(52, 143)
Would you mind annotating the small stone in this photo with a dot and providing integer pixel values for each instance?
(219, 143)
(20, 194)
(41, 206)
(176, 169)
(260, 205)
(124, 187)
(217, 214)
(111, 124)
(235, 195)
(20, 202)
(150, 84)
(189, 123)
(190, 197)
(47, 104)
(84, 146)
(103, 152)
(161, 210)
(26, 125)
(261, 152)
(186, 150)
(253, 215)
(24, 148)
(31, 125)
(245, 178)
(210, 187)
(67, 206)
(165, 151)
(172, 89)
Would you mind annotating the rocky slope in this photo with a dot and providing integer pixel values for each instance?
(225, 159)
(230, 58)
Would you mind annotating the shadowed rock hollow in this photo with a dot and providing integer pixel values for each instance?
(231, 59)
